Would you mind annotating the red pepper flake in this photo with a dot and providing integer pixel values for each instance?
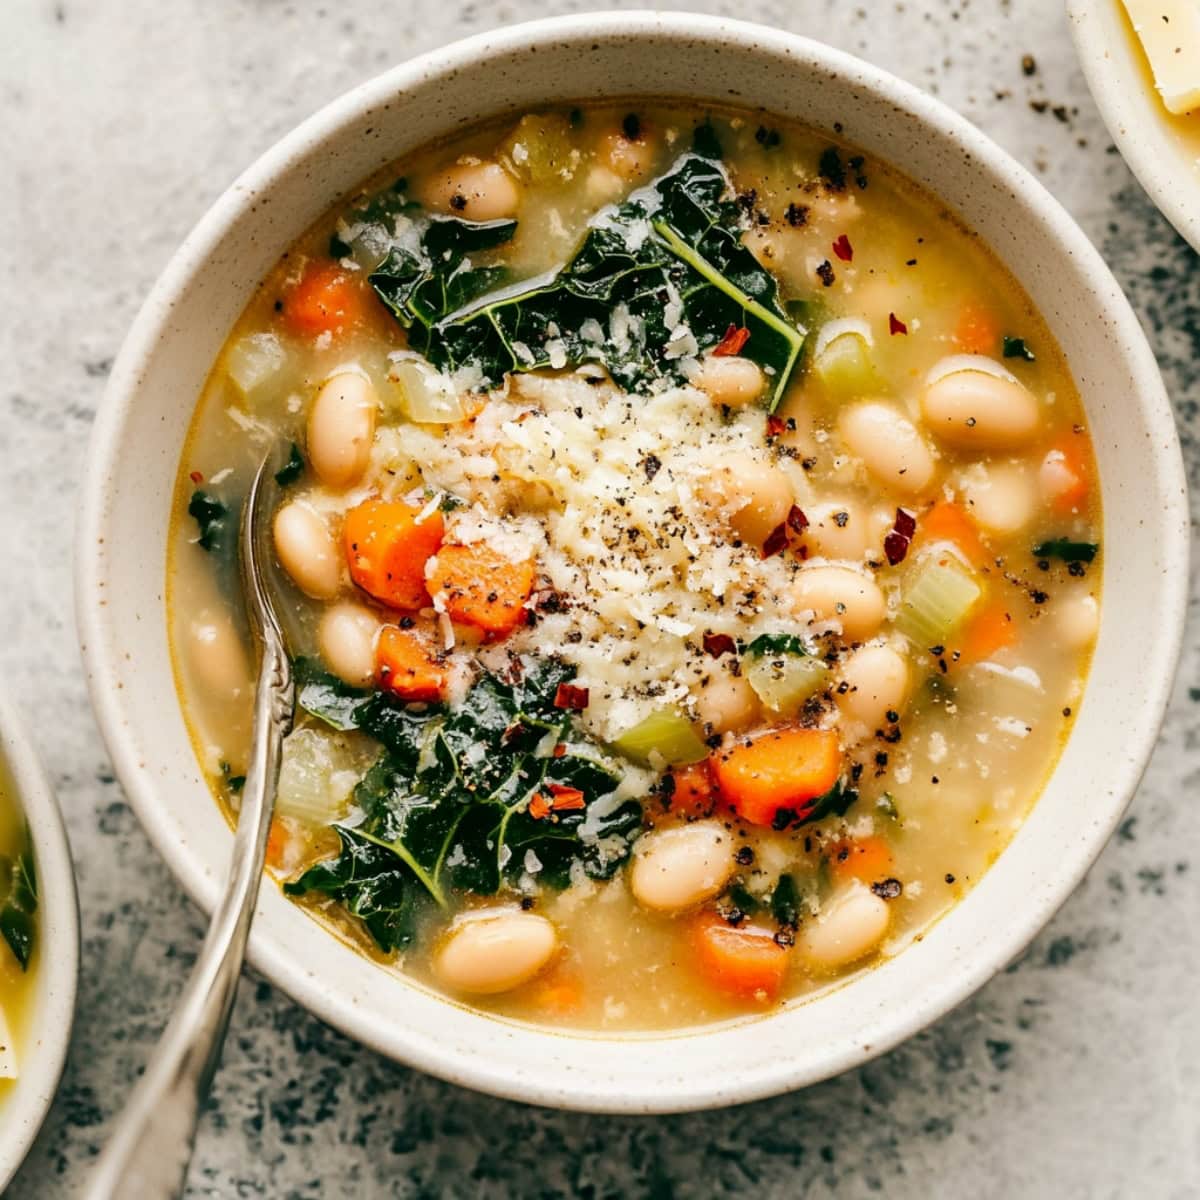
(895, 546)
(539, 807)
(775, 426)
(196, 477)
(843, 249)
(733, 341)
(559, 750)
(895, 325)
(777, 541)
(717, 644)
(570, 696)
(566, 799)
(797, 522)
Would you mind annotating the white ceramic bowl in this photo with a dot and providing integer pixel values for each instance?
(1145, 133)
(140, 432)
(43, 1050)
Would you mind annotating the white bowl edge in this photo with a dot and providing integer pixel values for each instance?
(728, 1063)
(44, 1053)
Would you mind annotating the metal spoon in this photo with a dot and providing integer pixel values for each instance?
(151, 1144)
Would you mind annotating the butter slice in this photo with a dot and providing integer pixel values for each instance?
(1170, 34)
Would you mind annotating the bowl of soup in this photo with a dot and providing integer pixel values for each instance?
(39, 943)
(720, 502)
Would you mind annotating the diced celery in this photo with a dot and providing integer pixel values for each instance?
(937, 601)
(539, 149)
(667, 732)
(253, 361)
(317, 773)
(845, 366)
(784, 681)
(427, 396)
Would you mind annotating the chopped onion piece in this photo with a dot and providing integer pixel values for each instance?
(429, 398)
(317, 773)
(253, 361)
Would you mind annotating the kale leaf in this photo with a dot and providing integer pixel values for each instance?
(292, 469)
(657, 279)
(17, 923)
(373, 884)
(1067, 550)
(1015, 347)
(447, 805)
(212, 517)
(775, 644)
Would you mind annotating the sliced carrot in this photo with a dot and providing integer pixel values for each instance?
(865, 858)
(407, 665)
(695, 795)
(976, 331)
(387, 548)
(481, 587)
(327, 299)
(566, 799)
(783, 769)
(743, 960)
(949, 522)
(1066, 473)
(540, 806)
(277, 844)
(989, 630)
(560, 993)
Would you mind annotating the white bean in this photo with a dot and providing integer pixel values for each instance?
(877, 681)
(851, 926)
(729, 380)
(889, 446)
(754, 495)
(678, 868)
(307, 551)
(975, 410)
(1001, 498)
(842, 529)
(495, 950)
(1077, 619)
(346, 637)
(725, 701)
(842, 594)
(218, 657)
(630, 158)
(478, 191)
(341, 428)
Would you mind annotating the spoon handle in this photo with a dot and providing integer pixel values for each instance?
(148, 1151)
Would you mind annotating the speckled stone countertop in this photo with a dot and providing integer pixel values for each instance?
(1076, 1073)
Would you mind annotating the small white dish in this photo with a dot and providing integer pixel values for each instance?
(43, 1049)
(139, 434)
(1162, 150)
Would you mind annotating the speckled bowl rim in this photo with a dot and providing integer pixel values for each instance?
(698, 1068)
(45, 1050)
(1133, 113)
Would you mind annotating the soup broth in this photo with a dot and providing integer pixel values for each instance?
(687, 538)
(19, 953)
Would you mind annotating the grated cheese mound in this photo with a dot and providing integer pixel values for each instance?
(623, 502)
